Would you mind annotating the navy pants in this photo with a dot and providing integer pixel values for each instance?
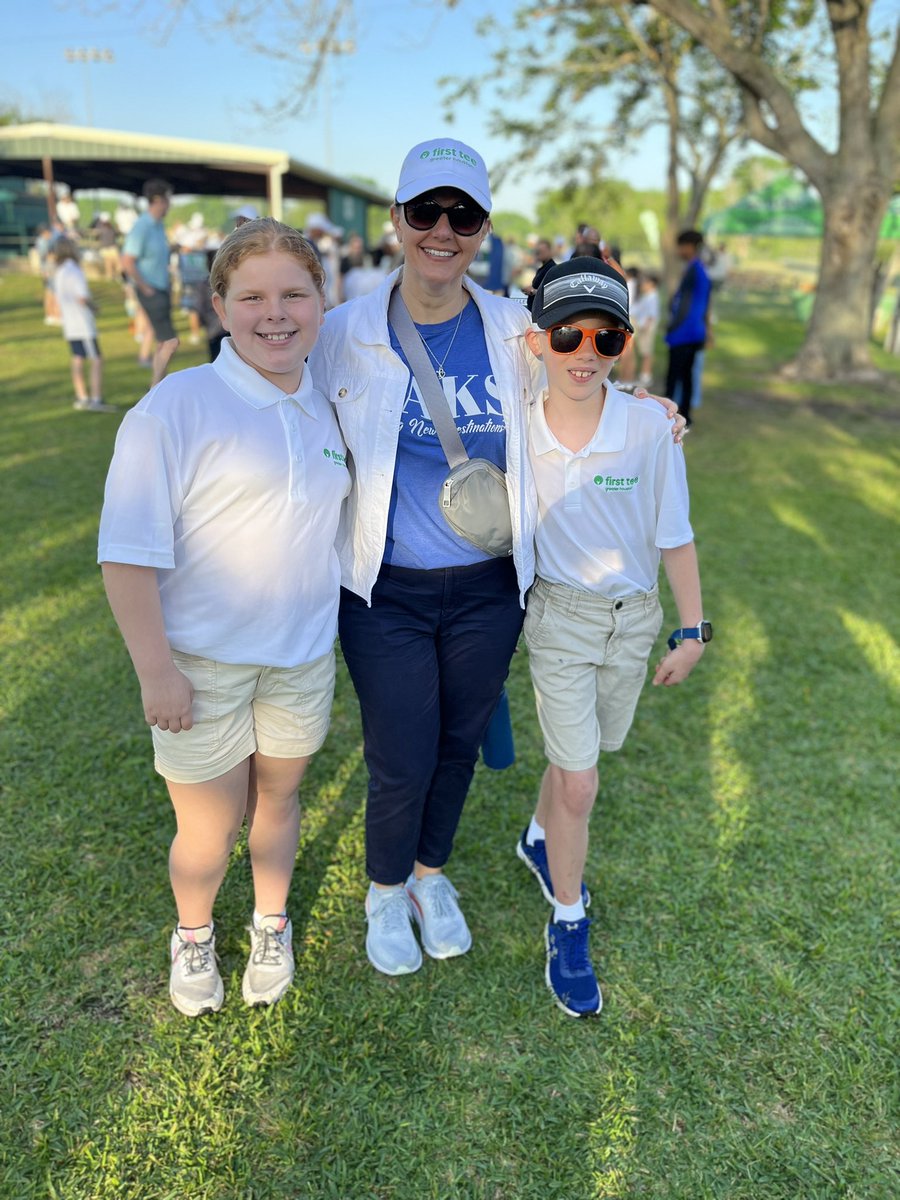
(680, 376)
(428, 661)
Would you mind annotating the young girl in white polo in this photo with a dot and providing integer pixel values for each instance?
(217, 546)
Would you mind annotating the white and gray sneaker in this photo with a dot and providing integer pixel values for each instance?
(390, 942)
(270, 967)
(443, 927)
(195, 985)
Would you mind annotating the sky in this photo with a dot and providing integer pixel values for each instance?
(373, 106)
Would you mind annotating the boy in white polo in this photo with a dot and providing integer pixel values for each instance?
(612, 499)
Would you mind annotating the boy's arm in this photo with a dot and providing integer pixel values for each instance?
(166, 694)
(684, 579)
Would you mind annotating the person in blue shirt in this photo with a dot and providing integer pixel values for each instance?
(145, 260)
(687, 331)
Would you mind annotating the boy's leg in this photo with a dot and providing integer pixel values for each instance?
(273, 824)
(209, 817)
(571, 799)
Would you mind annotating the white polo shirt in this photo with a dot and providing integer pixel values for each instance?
(232, 489)
(71, 290)
(606, 511)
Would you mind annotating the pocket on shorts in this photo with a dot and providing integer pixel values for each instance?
(539, 619)
(205, 706)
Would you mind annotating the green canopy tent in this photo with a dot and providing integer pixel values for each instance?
(785, 207)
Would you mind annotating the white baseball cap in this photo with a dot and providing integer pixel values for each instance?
(444, 163)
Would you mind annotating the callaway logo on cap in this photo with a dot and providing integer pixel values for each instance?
(580, 285)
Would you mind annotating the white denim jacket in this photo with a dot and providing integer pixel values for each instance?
(354, 366)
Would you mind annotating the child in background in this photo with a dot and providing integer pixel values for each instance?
(645, 315)
(612, 499)
(79, 326)
(217, 546)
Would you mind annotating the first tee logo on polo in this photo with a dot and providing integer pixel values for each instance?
(617, 483)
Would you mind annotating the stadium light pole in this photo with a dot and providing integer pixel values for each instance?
(327, 48)
(86, 56)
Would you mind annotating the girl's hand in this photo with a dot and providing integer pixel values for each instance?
(167, 700)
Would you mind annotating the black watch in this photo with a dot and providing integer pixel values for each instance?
(703, 632)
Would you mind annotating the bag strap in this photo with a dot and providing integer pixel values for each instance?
(424, 374)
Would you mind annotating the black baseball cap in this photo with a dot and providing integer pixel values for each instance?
(581, 285)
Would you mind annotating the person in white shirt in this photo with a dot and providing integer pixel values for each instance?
(217, 545)
(645, 314)
(612, 499)
(79, 326)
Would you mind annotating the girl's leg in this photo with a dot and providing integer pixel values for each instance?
(571, 796)
(97, 378)
(78, 379)
(273, 823)
(209, 817)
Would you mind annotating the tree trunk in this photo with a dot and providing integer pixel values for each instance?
(837, 338)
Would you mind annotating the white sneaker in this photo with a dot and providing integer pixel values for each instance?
(441, 923)
(390, 943)
(270, 967)
(195, 986)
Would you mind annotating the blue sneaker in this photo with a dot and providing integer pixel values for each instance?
(535, 859)
(570, 976)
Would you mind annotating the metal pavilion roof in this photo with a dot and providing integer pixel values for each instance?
(103, 158)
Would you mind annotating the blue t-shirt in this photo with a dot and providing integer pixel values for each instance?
(417, 534)
(689, 306)
(148, 244)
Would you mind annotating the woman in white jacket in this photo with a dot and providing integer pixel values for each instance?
(428, 622)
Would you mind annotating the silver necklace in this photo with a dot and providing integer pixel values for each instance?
(440, 372)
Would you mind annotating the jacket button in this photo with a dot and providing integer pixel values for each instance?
(342, 392)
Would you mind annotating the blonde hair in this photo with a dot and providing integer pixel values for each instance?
(260, 237)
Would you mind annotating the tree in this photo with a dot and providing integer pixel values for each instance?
(855, 180)
(657, 75)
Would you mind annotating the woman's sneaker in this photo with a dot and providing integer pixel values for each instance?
(270, 967)
(390, 942)
(438, 915)
(570, 975)
(195, 985)
(535, 859)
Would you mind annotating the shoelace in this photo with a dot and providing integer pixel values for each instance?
(271, 952)
(574, 950)
(439, 897)
(393, 913)
(197, 957)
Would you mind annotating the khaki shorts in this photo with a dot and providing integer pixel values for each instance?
(588, 659)
(281, 711)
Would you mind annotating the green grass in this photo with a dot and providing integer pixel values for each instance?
(743, 867)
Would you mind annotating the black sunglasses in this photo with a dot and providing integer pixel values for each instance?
(609, 343)
(466, 218)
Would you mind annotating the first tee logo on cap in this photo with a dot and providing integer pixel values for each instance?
(444, 164)
(450, 152)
